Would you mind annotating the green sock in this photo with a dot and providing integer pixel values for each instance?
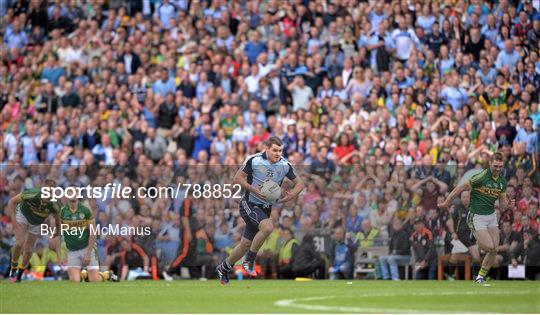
(483, 272)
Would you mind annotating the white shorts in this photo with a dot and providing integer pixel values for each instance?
(21, 219)
(75, 258)
(482, 222)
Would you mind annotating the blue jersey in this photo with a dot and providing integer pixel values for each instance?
(342, 255)
(259, 169)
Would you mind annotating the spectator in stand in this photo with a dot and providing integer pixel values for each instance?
(167, 14)
(165, 84)
(306, 261)
(344, 147)
(529, 136)
(436, 221)
(301, 93)
(168, 238)
(508, 58)
(254, 47)
(459, 228)
(322, 166)
(286, 253)
(399, 251)
(405, 41)
(268, 254)
(429, 193)
(528, 253)
(508, 244)
(132, 257)
(16, 37)
(155, 145)
(424, 251)
(367, 236)
(353, 221)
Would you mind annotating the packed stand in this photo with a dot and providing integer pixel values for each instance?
(383, 106)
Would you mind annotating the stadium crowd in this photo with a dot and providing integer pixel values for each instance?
(382, 106)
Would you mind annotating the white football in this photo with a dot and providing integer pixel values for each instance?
(271, 190)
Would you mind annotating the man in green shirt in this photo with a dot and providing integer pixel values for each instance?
(28, 210)
(486, 187)
(79, 233)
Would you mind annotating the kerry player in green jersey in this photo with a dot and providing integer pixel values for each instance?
(28, 211)
(80, 242)
(486, 187)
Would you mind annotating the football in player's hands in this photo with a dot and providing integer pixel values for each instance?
(271, 190)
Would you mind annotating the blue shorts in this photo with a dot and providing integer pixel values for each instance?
(253, 214)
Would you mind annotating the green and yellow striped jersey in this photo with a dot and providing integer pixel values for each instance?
(34, 208)
(485, 190)
(82, 217)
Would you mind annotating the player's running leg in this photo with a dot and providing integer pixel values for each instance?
(253, 216)
(266, 227)
(474, 251)
(485, 242)
(490, 226)
(20, 231)
(28, 247)
(494, 234)
(236, 254)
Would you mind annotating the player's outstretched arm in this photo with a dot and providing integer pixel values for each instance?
(455, 193)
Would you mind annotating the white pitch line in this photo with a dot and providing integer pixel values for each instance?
(345, 309)
(358, 309)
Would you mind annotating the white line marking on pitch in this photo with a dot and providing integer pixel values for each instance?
(358, 309)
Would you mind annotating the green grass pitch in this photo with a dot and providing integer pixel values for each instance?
(266, 296)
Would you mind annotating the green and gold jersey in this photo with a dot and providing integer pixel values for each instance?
(485, 190)
(228, 124)
(78, 226)
(35, 209)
